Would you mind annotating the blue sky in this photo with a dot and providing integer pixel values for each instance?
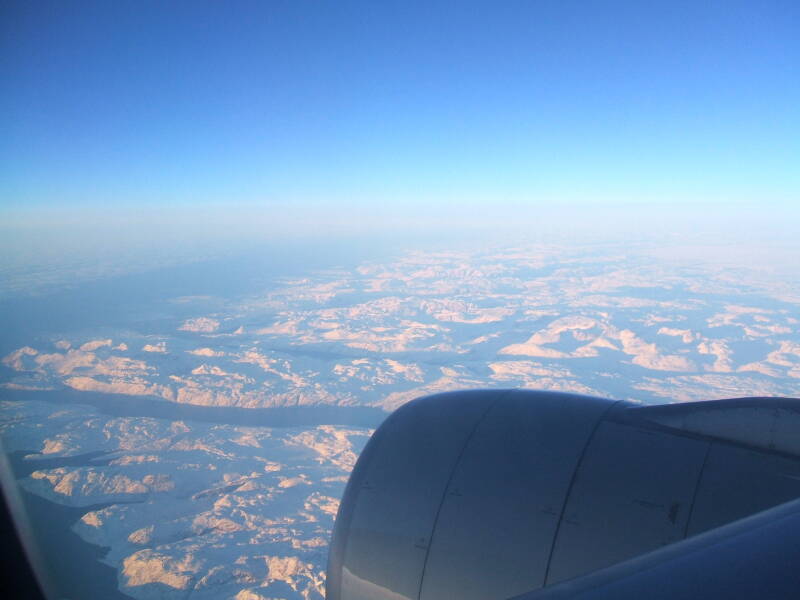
(408, 105)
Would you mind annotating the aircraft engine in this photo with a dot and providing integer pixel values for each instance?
(487, 494)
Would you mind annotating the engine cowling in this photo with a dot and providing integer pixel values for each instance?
(487, 494)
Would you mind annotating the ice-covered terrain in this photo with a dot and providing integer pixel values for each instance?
(595, 321)
(225, 510)
(221, 511)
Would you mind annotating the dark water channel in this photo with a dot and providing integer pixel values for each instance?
(73, 564)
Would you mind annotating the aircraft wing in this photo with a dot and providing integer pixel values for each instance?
(754, 557)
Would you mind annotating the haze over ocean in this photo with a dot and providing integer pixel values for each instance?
(234, 236)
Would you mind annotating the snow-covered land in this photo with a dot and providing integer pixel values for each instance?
(224, 510)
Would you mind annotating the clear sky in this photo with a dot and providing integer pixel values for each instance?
(349, 104)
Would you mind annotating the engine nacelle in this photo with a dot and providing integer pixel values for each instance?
(487, 494)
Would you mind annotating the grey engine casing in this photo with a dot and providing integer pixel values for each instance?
(487, 494)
